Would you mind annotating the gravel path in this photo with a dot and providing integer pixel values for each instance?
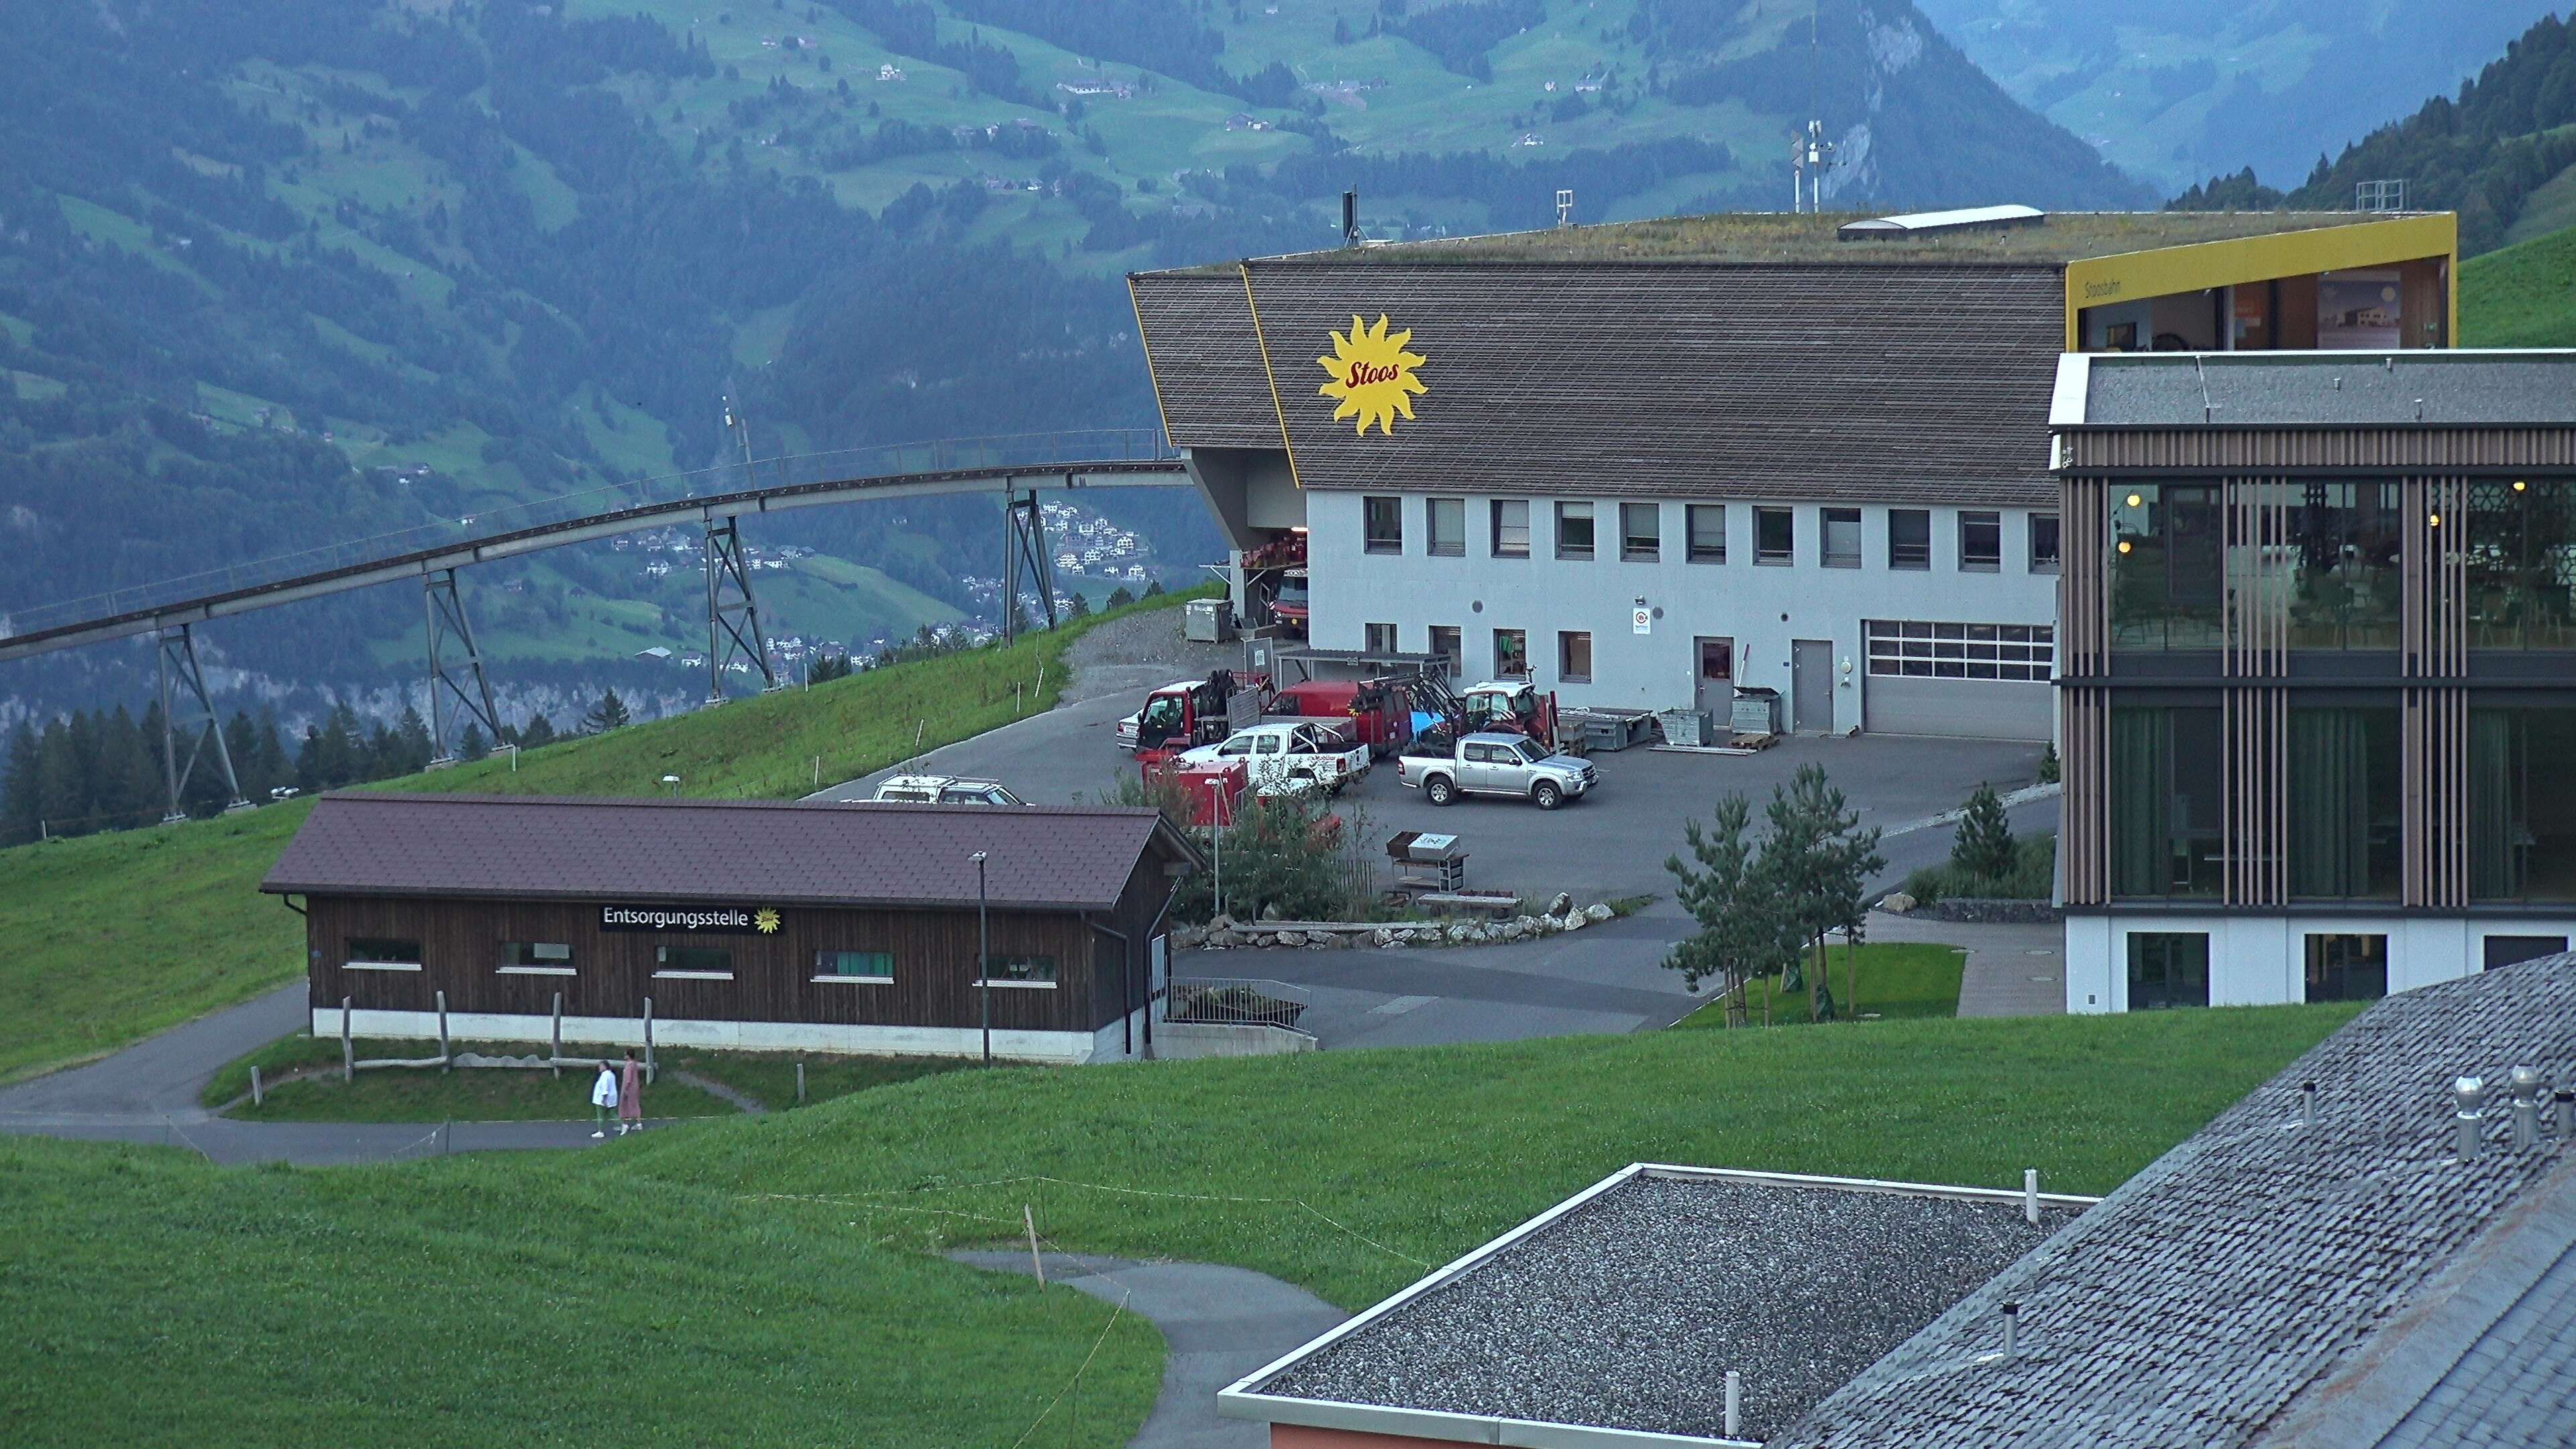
(1141, 651)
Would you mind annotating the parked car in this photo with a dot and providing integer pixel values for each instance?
(1495, 764)
(946, 790)
(1282, 753)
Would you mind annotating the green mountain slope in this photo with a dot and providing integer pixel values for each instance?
(2185, 89)
(313, 270)
(2521, 296)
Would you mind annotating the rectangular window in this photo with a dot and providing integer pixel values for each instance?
(1449, 644)
(874, 967)
(1511, 654)
(1841, 538)
(2521, 560)
(2337, 545)
(1511, 528)
(1446, 526)
(2522, 805)
(1382, 521)
(693, 963)
(1707, 532)
(1981, 541)
(1909, 538)
(1023, 971)
(379, 953)
(1574, 530)
(1641, 532)
(536, 958)
(2347, 968)
(2165, 569)
(2045, 550)
(2168, 969)
(1380, 638)
(1574, 658)
(2343, 804)
(1775, 536)
(2167, 833)
(2503, 951)
(1925, 649)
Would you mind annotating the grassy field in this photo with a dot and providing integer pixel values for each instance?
(768, 1279)
(118, 936)
(511, 1094)
(2521, 296)
(1898, 980)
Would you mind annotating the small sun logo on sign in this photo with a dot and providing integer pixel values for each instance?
(765, 921)
(1372, 375)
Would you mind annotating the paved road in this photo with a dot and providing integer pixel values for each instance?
(148, 1093)
(1218, 1323)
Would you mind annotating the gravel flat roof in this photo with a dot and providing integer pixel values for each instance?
(1627, 1312)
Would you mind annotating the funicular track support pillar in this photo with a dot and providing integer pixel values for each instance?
(453, 660)
(183, 684)
(1024, 554)
(733, 614)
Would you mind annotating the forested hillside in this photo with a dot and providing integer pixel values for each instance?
(290, 272)
(2501, 153)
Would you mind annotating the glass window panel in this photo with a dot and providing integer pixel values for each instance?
(1026, 970)
(1981, 541)
(1448, 643)
(2342, 544)
(1382, 521)
(1842, 538)
(2522, 805)
(1707, 532)
(1380, 638)
(1574, 657)
(1511, 654)
(1641, 531)
(1909, 538)
(384, 950)
(2165, 567)
(1574, 530)
(2045, 548)
(536, 953)
(1775, 536)
(2167, 830)
(1446, 531)
(1511, 528)
(877, 965)
(2168, 969)
(2347, 968)
(2344, 808)
(2521, 562)
(693, 958)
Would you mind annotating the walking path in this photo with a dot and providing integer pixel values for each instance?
(1218, 1325)
(148, 1093)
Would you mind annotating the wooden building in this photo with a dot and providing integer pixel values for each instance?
(750, 925)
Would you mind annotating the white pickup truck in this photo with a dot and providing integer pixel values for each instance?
(1280, 756)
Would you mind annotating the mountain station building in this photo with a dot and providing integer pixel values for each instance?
(1644, 464)
(753, 925)
(2318, 673)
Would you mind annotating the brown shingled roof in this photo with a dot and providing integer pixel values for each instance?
(544, 848)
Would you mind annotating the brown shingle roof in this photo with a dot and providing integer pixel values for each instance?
(534, 847)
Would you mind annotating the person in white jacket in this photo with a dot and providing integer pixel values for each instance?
(603, 1099)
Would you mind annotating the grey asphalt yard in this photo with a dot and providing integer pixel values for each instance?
(1218, 1323)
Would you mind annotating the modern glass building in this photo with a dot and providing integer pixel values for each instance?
(2317, 672)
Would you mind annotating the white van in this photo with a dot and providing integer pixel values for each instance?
(946, 790)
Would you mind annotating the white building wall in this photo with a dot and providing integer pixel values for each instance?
(1762, 607)
(2260, 959)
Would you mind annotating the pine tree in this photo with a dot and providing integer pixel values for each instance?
(537, 732)
(1984, 847)
(1120, 597)
(1081, 608)
(471, 745)
(1739, 934)
(1154, 589)
(608, 714)
(413, 748)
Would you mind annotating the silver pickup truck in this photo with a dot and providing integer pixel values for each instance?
(1495, 764)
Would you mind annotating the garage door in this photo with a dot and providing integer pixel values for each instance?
(1980, 681)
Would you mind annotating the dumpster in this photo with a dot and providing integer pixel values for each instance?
(1207, 621)
(1757, 710)
(1686, 727)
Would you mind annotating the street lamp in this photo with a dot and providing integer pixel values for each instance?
(984, 955)
(673, 781)
(1216, 837)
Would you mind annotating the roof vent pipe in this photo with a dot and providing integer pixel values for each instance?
(2526, 1108)
(2308, 1105)
(2565, 1102)
(2468, 1124)
(1734, 1401)
(1350, 218)
(2030, 1195)
(2012, 1329)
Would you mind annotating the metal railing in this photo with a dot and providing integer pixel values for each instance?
(1235, 1001)
(849, 465)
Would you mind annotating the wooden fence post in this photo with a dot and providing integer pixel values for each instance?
(1036, 1263)
(255, 1097)
(648, 1039)
(445, 1057)
(800, 1081)
(348, 1051)
(558, 1051)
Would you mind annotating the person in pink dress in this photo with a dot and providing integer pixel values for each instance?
(630, 1095)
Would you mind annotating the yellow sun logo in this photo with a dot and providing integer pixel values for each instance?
(1372, 375)
(765, 921)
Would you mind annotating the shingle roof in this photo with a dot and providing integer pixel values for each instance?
(1627, 1311)
(534, 847)
(2329, 389)
(2252, 1281)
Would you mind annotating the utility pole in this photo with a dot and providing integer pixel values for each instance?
(984, 954)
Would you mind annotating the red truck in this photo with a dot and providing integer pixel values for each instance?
(1191, 713)
(1369, 712)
